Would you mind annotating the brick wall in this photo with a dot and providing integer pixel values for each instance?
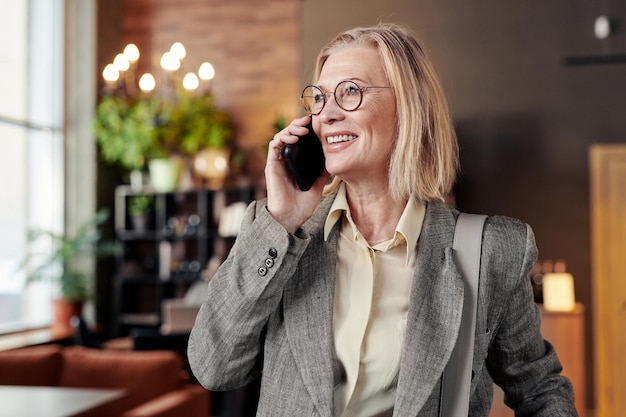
(254, 46)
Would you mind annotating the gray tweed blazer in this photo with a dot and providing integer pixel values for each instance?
(268, 314)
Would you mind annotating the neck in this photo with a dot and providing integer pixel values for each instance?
(375, 214)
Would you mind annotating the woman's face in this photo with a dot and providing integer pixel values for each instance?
(358, 143)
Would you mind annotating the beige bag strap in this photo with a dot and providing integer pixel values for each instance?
(457, 377)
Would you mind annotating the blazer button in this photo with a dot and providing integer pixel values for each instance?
(269, 262)
(262, 271)
(273, 253)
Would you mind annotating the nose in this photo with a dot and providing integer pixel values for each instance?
(331, 111)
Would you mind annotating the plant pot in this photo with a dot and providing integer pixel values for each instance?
(212, 165)
(140, 222)
(63, 311)
(164, 174)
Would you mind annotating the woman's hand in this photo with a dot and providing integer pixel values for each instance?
(289, 205)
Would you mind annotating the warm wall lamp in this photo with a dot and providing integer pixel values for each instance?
(602, 29)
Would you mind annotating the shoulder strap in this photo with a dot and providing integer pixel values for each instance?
(457, 376)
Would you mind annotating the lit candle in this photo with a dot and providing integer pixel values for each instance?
(558, 292)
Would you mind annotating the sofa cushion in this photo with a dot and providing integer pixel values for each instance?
(143, 375)
(39, 366)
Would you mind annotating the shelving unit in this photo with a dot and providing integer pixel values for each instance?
(182, 233)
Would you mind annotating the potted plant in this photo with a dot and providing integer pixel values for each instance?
(125, 132)
(201, 123)
(197, 131)
(139, 209)
(61, 264)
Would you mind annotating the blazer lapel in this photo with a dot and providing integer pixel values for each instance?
(308, 309)
(434, 317)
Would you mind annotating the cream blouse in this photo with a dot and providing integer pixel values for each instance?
(370, 308)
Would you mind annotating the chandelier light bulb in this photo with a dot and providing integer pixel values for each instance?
(121, 62)
(169, 62)
(131, 52)
(190, 81)
(110, 73)
(178, 50)
(206, 71)
(147, 82)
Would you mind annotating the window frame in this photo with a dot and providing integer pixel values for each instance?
(59, 112)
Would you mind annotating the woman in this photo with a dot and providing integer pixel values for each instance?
(340, 298)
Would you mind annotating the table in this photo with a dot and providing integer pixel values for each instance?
(27, 401)
(35, 337)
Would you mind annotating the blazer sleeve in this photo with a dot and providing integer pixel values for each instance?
(519, 359)
(225, 345)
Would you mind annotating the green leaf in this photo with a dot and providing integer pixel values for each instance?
(60, 266)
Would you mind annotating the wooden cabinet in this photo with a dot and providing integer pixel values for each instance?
(566, 332)
(608, 254)
(170, 249)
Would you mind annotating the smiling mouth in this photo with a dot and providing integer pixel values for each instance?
(340, 138)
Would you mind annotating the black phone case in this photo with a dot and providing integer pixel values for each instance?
(305, 159)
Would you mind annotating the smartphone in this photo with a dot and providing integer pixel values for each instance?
(305, 159)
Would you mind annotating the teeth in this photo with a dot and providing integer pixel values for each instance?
(340, 138)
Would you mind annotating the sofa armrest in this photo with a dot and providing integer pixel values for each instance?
(189, 401)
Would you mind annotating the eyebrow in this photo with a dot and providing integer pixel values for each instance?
(356, 80)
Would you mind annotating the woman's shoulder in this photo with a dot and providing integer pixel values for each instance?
(502, 234)
(498, 225)
(509, 247)
(508, 231)
(506, 227)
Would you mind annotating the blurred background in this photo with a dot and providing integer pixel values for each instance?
(532, 87)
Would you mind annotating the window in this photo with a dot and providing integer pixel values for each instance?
(32, 144)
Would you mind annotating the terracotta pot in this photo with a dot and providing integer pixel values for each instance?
(63, 310)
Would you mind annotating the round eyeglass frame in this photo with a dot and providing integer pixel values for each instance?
(334, 93)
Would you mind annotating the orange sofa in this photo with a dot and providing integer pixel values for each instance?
(155, 382)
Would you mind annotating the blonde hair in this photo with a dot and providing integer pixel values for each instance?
(425, 158)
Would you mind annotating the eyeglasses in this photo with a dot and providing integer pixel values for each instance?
(348, 95)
